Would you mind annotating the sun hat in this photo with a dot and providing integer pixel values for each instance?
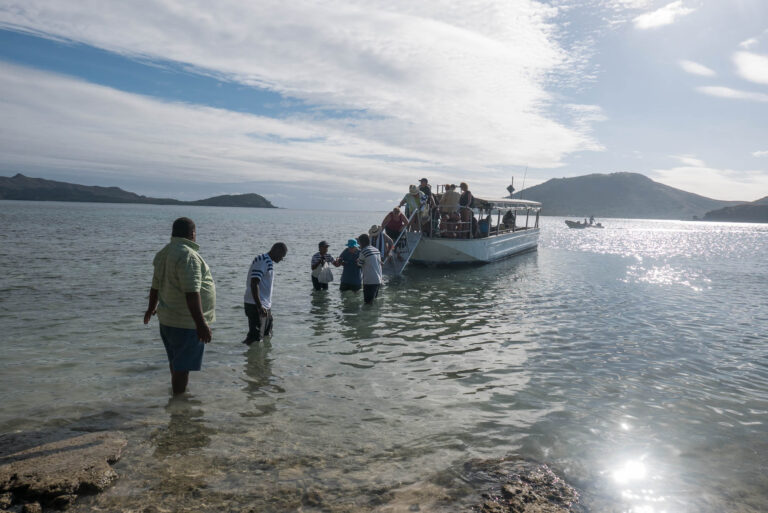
(375, 229)
(352, 243)
(323, 243)
(413, 189)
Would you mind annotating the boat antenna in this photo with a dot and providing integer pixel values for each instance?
(524, 175)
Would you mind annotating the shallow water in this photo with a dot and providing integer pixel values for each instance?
(632, 359)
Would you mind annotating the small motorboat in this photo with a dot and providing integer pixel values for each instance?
(580, 225)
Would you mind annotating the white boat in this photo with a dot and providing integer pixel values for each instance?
(502, 240)
(506, 227)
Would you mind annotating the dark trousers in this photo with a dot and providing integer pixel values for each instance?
(370, 292)
(259, 326)
(317, 285)
(394, 235)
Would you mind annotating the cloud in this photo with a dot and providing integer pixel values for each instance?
(752, 42)
(64, 124)
(663, 16)
(735, 94)
(752, 66)
(465, 82)
(760, 153)
(690, 160)
(58, 125)
(629, 4)
(722, 184)
(749, 43)
(696, 69)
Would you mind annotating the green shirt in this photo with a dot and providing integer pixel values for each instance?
(179, 269)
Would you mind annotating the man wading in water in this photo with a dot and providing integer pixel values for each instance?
(184, 297)
(258, 293)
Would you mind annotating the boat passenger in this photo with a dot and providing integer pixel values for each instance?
(465, 202)
(433, 216)
(426, 189)
(415, 201)
(509, 219)
(449, 202)
(351, 277)
(380, 241)
(394, 223)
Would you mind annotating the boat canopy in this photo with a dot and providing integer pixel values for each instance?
(505, 203)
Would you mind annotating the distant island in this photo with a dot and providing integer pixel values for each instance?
(20, 187)
(626, 195)
(754, 212)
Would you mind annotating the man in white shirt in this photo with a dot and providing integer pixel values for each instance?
(258, 293)
(370, 261)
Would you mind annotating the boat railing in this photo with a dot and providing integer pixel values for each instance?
(463, 223)
(445, 224)
(396, 242)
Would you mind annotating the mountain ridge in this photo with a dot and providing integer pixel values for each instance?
(620, 194)
(753, 212)
(24, 188)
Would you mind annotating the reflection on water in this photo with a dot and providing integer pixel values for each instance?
(186, 430)
(260, 385)
(631, 358)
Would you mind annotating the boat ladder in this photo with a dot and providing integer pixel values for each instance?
(398, 258)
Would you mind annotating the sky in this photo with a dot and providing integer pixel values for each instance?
(341, 105)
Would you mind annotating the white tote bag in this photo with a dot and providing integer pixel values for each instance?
(326, 274)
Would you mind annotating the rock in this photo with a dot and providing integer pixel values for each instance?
(312, 498)
(55, 473)
(63, 501)
(6, 500)
(32, 507)
(506, 485)
(523, 487)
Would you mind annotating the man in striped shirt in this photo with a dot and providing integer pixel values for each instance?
(258, 293)
(370, 262)
(318, 259)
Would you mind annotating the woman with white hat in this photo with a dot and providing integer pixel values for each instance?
(380, 241)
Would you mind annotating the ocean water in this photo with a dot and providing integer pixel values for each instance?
(633, 360)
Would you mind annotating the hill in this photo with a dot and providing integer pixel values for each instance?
(754, 212)
(628, 195)
(20, 187)
(235, 200)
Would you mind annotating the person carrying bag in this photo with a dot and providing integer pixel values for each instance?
(320, 261)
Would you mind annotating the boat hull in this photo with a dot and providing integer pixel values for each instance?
(443, 251)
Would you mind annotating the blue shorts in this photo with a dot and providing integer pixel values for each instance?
(184, 349)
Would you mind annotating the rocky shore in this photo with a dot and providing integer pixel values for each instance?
(38, 473)
(54, 474)
(506, 485)
(520, 486)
